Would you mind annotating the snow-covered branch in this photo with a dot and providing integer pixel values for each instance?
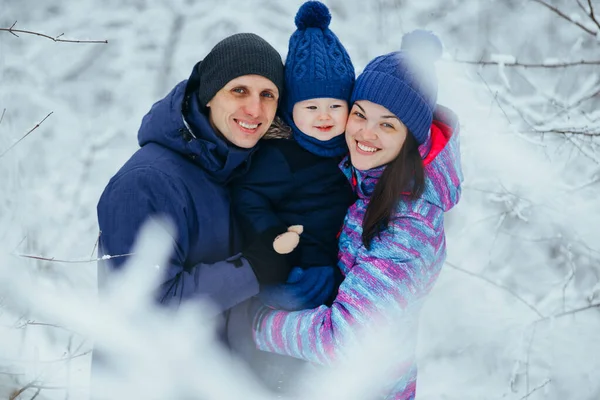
(547, 64)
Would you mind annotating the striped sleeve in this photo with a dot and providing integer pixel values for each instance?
(383, 283)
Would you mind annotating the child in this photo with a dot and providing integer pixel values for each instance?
(298, 181)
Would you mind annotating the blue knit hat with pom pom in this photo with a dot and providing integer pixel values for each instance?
(405, 82)
(317, 64)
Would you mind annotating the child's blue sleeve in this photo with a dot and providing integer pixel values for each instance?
(257, 194)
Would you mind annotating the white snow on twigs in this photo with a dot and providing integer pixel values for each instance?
(503, 58)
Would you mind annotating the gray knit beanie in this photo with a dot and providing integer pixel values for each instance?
(235, 56)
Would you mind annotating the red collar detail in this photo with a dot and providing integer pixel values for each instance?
(440, 135)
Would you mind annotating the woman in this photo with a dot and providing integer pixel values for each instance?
(405, 169)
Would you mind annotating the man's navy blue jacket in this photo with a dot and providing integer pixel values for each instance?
(181, 172)
(288, 185)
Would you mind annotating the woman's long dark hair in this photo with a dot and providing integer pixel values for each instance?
(404, 176)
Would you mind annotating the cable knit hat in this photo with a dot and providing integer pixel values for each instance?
(235, 56)
(317, 64)
(405, 82)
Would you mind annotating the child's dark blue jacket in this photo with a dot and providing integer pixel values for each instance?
(288, 185)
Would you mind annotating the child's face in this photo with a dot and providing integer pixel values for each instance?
(322, 118)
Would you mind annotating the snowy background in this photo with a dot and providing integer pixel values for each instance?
(515, 313)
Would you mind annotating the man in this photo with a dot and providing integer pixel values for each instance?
(193, 143)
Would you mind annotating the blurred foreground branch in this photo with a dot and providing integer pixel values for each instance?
(14, 32)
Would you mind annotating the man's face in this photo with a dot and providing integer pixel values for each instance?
(243, 109)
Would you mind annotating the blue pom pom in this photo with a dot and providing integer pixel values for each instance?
(313, 14)
(422, 44)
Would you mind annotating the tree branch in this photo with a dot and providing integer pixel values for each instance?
(495, 97)
(570, 312)
(528, 359)
(530, 65)
(52, 259)
(12, 374)
(566, 17)
(567, 132)
(63, 359)
(504, 288)
(34, 323)
(25, 135)
(582, 6)
(39, 389)
(32, 385)
(2, 116)
(547, 381)
(14, 32)
(96, 244)
(15, 394)
(582, 149)
(173, 42)
(570, 107)
(593, 15)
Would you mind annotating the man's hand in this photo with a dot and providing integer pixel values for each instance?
(269, 266)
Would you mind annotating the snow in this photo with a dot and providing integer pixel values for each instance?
(503, 58)
(551, 61)
(522, 243)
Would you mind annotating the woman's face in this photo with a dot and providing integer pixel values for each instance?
(374, 135)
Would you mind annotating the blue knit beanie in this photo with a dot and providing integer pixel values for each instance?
(405, 82)
(317, 64)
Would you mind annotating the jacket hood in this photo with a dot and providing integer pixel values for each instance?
(278, 130)
(441, 158)
(193, 136)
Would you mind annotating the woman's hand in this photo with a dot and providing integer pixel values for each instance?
(304, 289)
